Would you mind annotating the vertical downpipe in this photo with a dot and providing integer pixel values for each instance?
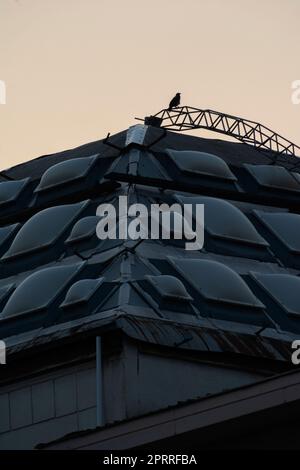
(99, 382)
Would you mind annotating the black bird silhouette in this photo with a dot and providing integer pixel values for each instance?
(175, 101)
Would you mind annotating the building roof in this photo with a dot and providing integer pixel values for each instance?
(57, 277)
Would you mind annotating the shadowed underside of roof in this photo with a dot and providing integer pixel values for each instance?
(195, 423)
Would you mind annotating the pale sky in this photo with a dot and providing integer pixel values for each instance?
(78, 69)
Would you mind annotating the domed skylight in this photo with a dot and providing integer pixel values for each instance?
(66, 172)
(217, 282)
(84, 228)
(81, 291)
(284, 288)
(44, 228)
(10, 190)
(40, 289)
(273, 176)
(7, 231)
(169, 287)
(285, 226)
(201, 163)
(5, 290)
(223, 219)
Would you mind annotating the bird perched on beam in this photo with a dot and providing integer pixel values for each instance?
(174, 101)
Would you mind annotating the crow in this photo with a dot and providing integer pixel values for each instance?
(175, 101)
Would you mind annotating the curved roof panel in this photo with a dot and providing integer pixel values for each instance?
(43, 229)
(83, 228)
(81, 291)
(39, 289)
(66, 172)
(216, 282)
(10, 190)
(169, 287)
(7, 231)
(201, 163)
(283, 288)
(5, 290)
(224, 220)
(274, 177)
(283, 225)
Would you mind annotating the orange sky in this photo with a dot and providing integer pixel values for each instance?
(77, 69)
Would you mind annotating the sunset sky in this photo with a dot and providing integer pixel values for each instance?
(78, 69)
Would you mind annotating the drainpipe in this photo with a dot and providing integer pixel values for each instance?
(99, 382)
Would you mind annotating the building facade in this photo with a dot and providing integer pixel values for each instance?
(123, 343)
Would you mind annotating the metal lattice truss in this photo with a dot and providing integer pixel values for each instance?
(249, 132)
